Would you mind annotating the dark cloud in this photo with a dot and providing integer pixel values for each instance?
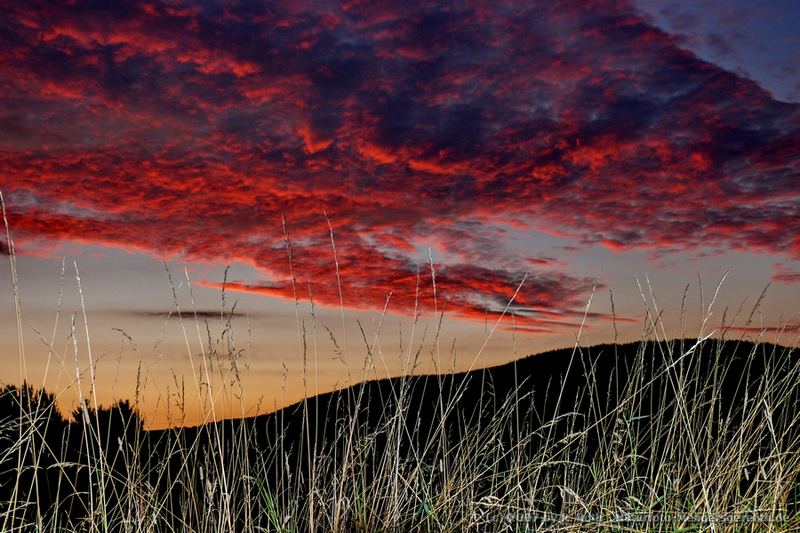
(178, 127)
(720, 45)
(187, 314)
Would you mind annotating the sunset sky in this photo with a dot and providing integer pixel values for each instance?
(578, 146)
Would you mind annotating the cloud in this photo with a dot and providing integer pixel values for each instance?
(187, 314)
(786, 328)
(170, 127)
(785, 274)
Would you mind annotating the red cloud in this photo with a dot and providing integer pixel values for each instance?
(786, 328)
(182, 128)
(784, 274)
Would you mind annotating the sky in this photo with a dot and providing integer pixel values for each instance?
(269, 199)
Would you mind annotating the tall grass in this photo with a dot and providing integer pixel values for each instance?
(661, 435)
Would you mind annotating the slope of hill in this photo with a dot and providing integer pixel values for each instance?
(661, 432)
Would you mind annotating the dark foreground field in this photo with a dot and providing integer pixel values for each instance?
(666, 436)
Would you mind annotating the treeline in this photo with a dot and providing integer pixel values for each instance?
(65, 471)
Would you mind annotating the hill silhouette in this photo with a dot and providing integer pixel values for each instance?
(466, 434)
